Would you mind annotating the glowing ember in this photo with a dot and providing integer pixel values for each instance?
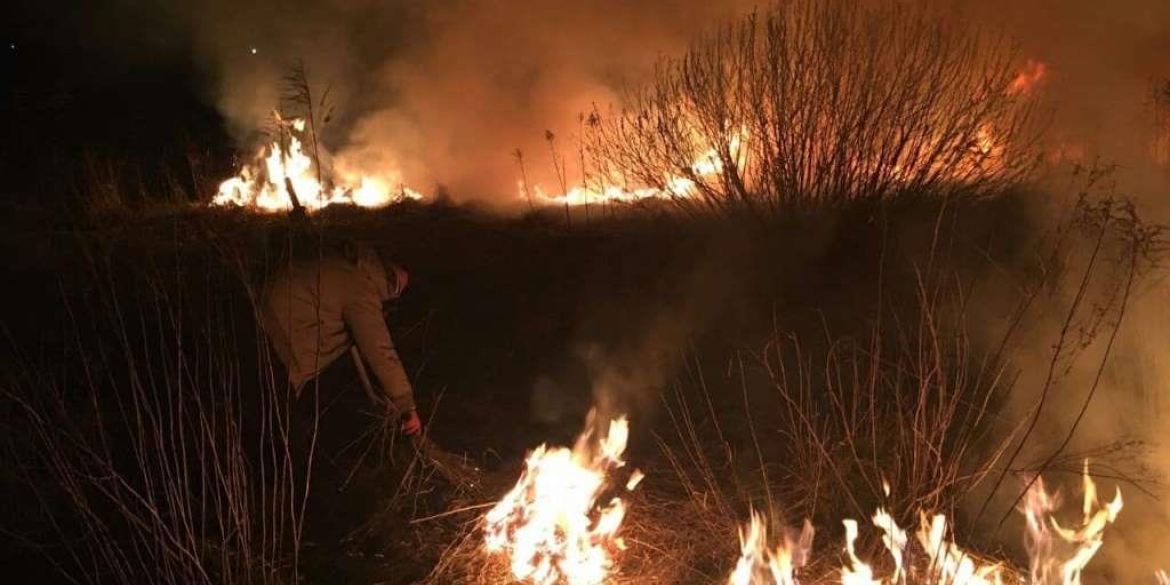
(1058, 554)
(265, 184)
(558, 524)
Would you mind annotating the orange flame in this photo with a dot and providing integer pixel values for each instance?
(1058, 554)
(758, 563)
(554, 525)
(707, 165)
(1062, 559)
(948, 562)
(264, 184)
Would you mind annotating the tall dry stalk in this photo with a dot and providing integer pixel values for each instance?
(519, 156)
(1122, 250)
(558, 162)
(582, 167)
(298, 96)
(159, 448)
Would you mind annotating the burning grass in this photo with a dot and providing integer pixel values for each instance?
(1058, 554)
(800, 105)
(294, 172)
(802, 425)
(683, 540)
(555, 525)
(811, 103)
(894, 426)
(808, 114)
(283, 177)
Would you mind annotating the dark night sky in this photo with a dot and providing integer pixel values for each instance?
(111, 81)
(110, 33)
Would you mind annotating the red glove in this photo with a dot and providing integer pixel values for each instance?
(411, 424)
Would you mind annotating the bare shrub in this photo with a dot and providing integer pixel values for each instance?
(812, 103)
(911, 415)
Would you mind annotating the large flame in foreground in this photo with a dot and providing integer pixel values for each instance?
(557, 525)
(1059, 553)
(265, 183)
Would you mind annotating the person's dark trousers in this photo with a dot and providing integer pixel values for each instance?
(345, 421)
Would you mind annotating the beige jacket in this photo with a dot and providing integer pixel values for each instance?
(314, 310)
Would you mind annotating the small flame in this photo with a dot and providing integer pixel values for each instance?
(1058, 554)
(683, 185)
(1064, 558)
(555, 525)
(265, 184)
(893, 537)
(635, 478)
(854, 571)
(950, 563)
(758, 563)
